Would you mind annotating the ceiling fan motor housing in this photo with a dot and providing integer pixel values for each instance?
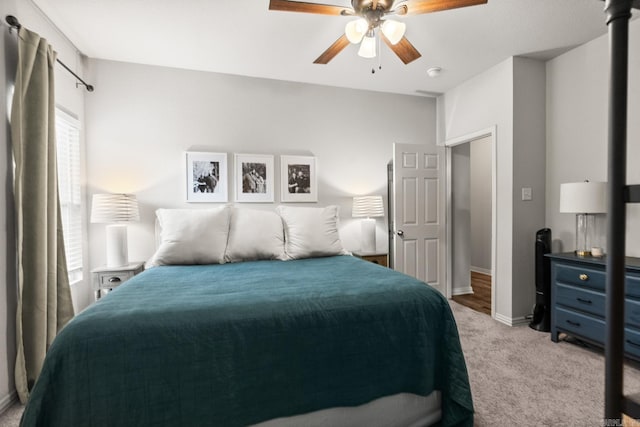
(360, 6)
(373, 17)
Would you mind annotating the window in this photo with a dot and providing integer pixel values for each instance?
(68, 145)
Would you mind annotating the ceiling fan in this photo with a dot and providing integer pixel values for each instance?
(371, 18)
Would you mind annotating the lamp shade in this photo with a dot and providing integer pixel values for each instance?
(367, 207)
(368, 46)
(393, 30)
(583, 197)
(355, 30)
(114, 208)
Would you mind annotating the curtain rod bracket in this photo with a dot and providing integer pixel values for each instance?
(13, 22)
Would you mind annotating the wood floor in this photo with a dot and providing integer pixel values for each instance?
(480, 300)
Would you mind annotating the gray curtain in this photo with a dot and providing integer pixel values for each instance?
(44, 297)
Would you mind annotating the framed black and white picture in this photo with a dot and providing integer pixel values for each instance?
(206, 177)
(298, 179)
(255, 178)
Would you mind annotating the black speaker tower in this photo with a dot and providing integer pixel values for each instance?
(542, 311)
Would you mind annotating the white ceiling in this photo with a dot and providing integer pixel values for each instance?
(243, 37)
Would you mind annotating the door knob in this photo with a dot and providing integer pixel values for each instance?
(400, 233)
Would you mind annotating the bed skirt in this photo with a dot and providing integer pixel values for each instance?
(398, 410)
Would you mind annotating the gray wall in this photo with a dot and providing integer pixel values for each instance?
(577, 103)
(480, 204)
(509, 96)
(68, 97)
(482, 102)
(529, 151)
(141, 120)
(461, 217)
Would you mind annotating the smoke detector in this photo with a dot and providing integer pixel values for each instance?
(434, 71)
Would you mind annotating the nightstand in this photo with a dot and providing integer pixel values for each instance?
(376, 258)
(108, 278)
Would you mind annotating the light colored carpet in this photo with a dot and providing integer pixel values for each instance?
(11, 417)
(518, 376)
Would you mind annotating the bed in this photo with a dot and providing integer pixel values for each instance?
(243, 343)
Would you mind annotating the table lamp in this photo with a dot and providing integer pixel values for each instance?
(584, 199)
(115, 210)
(368, 207)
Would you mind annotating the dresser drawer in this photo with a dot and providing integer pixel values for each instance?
(632, 285)
(581, 299)
(580, 276)
(632, 313)
(632, 342)
(114, 279)
(580, 324)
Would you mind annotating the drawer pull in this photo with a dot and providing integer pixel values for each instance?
(572, 323)
(583, 277)
(584, 301)
(114, 279)
(635, 344)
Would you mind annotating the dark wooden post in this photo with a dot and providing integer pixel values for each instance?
(618, 15)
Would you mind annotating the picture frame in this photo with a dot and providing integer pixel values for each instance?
(298, 179)
(206, 177)
(254, 178)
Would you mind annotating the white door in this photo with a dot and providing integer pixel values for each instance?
(418, 215)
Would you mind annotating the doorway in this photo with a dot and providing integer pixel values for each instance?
(471, 220)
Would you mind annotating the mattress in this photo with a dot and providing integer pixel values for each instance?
(239, 344)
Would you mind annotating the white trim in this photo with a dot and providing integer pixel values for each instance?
(509, 321)
(470, 136)
(7, 401)
(492, 133)
(462, 291)
(480, 270)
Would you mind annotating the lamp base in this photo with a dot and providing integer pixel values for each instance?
(585, 228)
(117, 253)
(368, 238)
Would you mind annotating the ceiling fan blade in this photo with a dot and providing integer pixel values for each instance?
(416, 7)
(298, 6)
(404, 49)
(333, 50)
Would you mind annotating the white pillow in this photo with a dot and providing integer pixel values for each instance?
(254, 234)
(192, 236)
(311, 232)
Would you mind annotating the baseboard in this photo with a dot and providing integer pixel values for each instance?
(511, 321)
(8, 400)
(480, 270)
(462, 291)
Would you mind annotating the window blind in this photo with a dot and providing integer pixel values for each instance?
(68, 147)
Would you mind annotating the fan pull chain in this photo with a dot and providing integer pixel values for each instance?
(373, 70)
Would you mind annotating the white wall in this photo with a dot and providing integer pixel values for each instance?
(480, 205)
(577, 110)
(68, 97)
(141, 120)
(499, 97)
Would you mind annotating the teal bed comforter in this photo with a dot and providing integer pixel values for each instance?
(236, 344)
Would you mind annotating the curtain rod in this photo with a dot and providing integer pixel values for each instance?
(14, 23)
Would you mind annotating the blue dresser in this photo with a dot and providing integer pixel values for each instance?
(578, 300)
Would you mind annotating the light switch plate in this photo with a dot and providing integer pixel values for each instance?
(527, 193)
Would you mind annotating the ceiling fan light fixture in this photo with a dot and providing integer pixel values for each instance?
(368, 46)
(393, 30)
(355, 30)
